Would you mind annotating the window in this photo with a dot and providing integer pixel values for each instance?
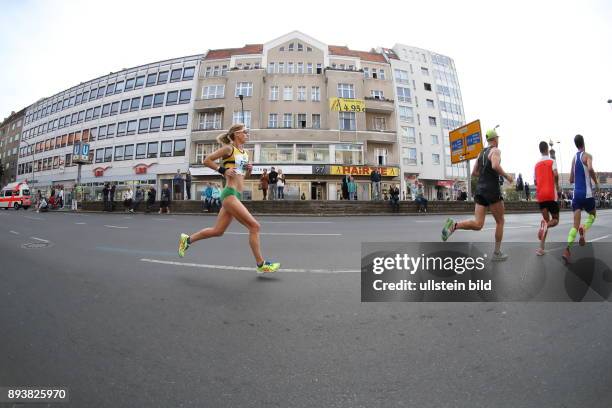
(287, 120)
(110, 132)
(125, 105)
(147, 101)
(349, 154)
(114, 108)
(102, 132)
(406, 114)
(271, 67)
(346, 91)
(143, 125)
(210, 120)
(166, 148)
(290, 67)
(179, 147)
(377, 94)
(181, 120)
(281, 67)
(118, 88)
(158, 100)
(273, 120)
(110, 89)
(434, 139)
(119, 153)
(93, 134)
(80, 119)
(301, 120)
(139, 82)
(401, 76)
(309, 68)
(403, 94)
(99, 155)
(424, 71)
(430, 103)
(185, 96)
(288, 93)
(347, 121)
(141, 150)
(121, 128)
(427, 86)
(129, 152)
(151, 79)
(129, 84)
(316, 121)
(155, 123)
(171, 98)
(315, 94)
(238, 118)
(432, 121)
(244, 88)
(300, 68)
(381, 74)
(152, 150)
(108, 154)
(274, 93)
(135, 104)
(409, 156)
(381, 156)
(176, 75)
(213, 92)
(169, 122)
(301, 95)
(105, 110)
(96, 112)
(72, 122)
(101, 92)
(131, 127)
(380, 123)
(79, 98)
(188, 73)
(366, 72)
(435, 158)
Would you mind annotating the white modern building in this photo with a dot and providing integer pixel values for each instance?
(137, 122)
(428, 105)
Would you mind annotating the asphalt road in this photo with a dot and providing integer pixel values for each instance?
(102, 304)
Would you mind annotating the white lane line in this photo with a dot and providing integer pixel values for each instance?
(163, 219)
(505, 228)
(114, 226)
(598, 239)
(80, 223)
(287, 234)
(39, 239)
(244, 268)
(33, 218)
(296, 222)
(14, 232)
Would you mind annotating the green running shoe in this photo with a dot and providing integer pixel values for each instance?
(183, 244)
(268, 267)
(448, 229)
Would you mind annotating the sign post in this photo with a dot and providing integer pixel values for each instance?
(466, 144)
(80, 156)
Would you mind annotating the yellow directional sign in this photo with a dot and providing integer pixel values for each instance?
(465, 142)
(346, 105)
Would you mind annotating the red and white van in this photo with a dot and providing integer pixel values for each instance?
(15, 195)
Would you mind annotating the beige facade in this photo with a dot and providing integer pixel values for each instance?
(287, 85)
(10, 135)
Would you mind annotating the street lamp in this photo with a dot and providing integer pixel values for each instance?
(610, 102)
(242, 107)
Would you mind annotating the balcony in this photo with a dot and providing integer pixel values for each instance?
(209, 105)
(379, 105)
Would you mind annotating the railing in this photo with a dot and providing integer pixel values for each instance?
(375, 98)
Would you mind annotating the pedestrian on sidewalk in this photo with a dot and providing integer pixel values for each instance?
(351, 188)
(138, 198)
(394, 194)
(527, 192)
(346, 190)
(105, 192)
(112, 196)
(281, 185)
(177, 183)
(60, 196)
(420, 198)
(188, 184)
(206, 196)
(215, 198)
(273, 177)
(520, 187)
(127, 199)
(164, 202)
(150, 199)
(375, 181)
(264, 181)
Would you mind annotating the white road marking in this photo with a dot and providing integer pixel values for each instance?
(39, 239)
(80, 223)
(243, 268)
(296, 222)
(33, 218)
(598, 239)
(286, 233)
(14, 232)
(114, 226)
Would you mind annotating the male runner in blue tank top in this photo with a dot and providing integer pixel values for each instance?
(488, 195)
(581, 175)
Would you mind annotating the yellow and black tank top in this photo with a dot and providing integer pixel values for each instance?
(237, 160)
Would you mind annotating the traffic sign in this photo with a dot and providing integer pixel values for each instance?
(465, 142)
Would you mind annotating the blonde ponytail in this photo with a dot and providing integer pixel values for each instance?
(228, 137)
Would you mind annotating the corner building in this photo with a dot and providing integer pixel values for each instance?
(286, 86)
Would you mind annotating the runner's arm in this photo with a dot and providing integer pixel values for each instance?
(496, 165)
(589, 164)
(209, 161)
(476, 169)
(572, 171)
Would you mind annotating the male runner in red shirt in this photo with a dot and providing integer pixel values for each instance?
(547, 184)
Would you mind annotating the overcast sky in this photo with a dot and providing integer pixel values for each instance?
(539, 69)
